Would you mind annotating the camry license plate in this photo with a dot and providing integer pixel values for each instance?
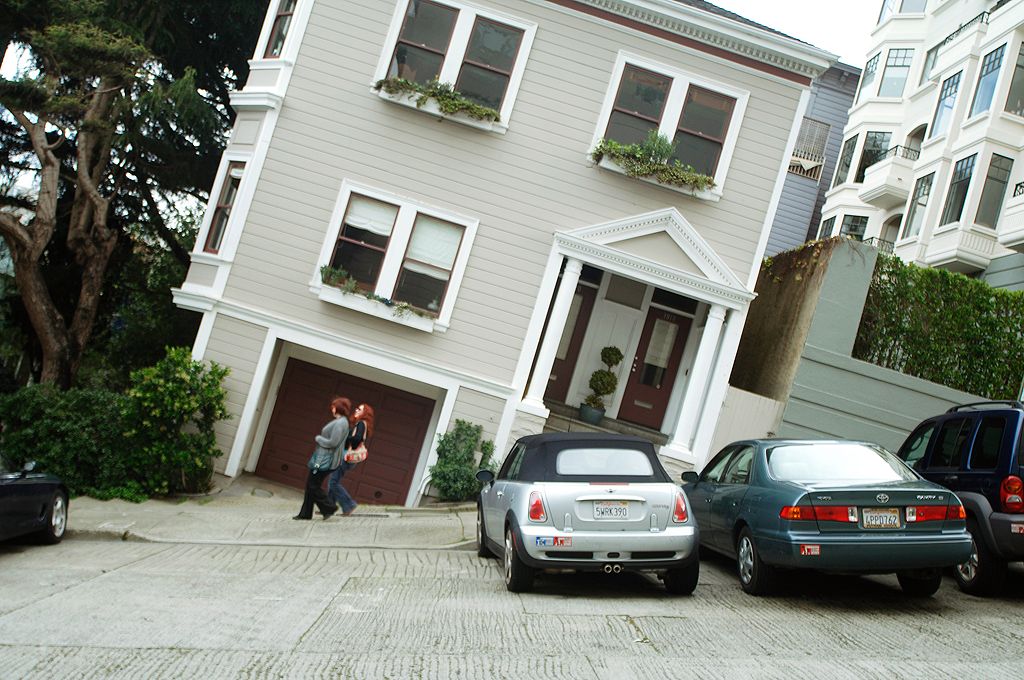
(881, 518)
(611, 509)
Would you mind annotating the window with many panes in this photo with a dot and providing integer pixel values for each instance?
(481, 55)
(825, 230)
(1015, 97)
(929, 63)
(399, 251)
(918, 206)
(993, 191)
(894, 77)
(987, 79)
(845, 159)
(854, 226)
(868, 76)
(944, 109)
(875, 145)
(700, 117)
(222, 210)
(958, 185)
(279, 32)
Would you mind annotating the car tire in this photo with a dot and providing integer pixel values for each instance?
(518, 576)
(920, 582)
(481, 535)
(983, 573)
(756, 577)
(56, 519)
(682, 581)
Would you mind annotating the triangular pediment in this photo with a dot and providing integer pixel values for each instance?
(666, 239)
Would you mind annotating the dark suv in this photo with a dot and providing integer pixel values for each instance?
(975, 450)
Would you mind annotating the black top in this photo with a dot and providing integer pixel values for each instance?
(355, 438)
(538, 453)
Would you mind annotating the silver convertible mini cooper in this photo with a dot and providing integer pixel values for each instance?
(586, 502)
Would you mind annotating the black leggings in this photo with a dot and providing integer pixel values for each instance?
(315, 494)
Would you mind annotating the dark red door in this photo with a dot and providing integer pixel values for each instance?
(653, 370)
(301, 411)
(570, 343)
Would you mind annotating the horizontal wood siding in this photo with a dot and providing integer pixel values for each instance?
(237, 345)
(479, 409)
(1006, 272)
(523, 186)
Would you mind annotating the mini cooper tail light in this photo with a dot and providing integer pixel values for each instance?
(679, 512)
(1011, 494)
(537, 513)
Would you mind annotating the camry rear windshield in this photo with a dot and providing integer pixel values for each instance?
(835, 463)
(603, 463)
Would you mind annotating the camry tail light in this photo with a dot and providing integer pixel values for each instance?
(679, 512)
(934, 513)
(537, 513)
(827, 513)
(1011, 494)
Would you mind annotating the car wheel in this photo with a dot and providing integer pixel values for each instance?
(518, 576)
(481, 534)
(920, 582)
(755, 575)
(983, 573)
(682, 581)
(56, 519)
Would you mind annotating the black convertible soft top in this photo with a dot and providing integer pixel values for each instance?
(542, 451)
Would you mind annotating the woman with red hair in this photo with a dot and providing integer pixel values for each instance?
(361, 428)
(330, 443)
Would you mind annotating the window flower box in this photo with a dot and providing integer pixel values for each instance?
(441, 100)
(644, 162)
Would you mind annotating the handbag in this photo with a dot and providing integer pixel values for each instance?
(357, 455)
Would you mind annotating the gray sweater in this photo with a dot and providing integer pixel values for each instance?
(330, 439)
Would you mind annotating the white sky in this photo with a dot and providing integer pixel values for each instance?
(842, 27)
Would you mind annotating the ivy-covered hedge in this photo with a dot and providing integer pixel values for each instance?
(156, 439)
(943, 327)
(454, 474)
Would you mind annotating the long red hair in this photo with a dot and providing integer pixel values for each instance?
(366, 417)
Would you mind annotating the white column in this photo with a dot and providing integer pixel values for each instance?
(711, 409)
(534, 400)
(696, 388)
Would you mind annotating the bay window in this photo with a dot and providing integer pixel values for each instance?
(222, 210)
(987, 79)
(279, 32)
(958, 186)
(944, 109)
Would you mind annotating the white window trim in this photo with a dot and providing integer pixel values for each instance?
(681, 81)
(392, 264)
(240, 208)
(453, 60)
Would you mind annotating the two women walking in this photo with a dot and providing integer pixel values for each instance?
(341, 433)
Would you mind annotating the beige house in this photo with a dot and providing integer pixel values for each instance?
(481, 263)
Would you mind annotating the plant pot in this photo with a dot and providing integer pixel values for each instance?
(591, 415)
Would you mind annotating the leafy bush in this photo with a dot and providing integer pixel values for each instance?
(943, 327)
(174, 406)
(650, 159)
(156, 439)
(454, 474)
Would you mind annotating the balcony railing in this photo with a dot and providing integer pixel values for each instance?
(882, 245)
(901, 152)
(1018, 190)
(806, 164)
(980, 19)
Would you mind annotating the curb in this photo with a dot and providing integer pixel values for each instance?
(96, 535)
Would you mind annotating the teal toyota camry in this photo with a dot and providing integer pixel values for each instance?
(834, 506)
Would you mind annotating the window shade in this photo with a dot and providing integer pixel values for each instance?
(373, 216)
(434, 242)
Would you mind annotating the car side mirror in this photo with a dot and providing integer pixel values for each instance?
(690, 477)
(485, 476)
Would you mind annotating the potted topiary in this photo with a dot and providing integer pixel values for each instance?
(602, 383)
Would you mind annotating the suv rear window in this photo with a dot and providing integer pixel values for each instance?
(950, 443)
(988, 443)
(603, 463)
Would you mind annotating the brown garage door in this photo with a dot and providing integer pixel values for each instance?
(301, 411)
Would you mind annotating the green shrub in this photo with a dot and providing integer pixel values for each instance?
(454, 474)
(603, 381)
(174, 406)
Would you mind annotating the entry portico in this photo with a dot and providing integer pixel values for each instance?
(669, 260)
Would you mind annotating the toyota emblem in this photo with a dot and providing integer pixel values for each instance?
(882, 498)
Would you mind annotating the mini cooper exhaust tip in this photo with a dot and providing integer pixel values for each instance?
(612, 568)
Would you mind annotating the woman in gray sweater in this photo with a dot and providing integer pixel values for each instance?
(329, 445)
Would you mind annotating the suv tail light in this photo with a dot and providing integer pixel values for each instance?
(1011, 494)
(537, 513)
(679, 512)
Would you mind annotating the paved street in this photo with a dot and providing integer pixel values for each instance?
(121, 609)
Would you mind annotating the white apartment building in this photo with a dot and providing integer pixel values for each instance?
(932, 161)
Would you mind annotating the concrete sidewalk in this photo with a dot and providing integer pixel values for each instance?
(249, 510)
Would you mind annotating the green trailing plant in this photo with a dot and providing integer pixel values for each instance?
(335, 276)
(454, 474)
(603, 381)
(652, 159)
(943, 327)
(449, 100)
